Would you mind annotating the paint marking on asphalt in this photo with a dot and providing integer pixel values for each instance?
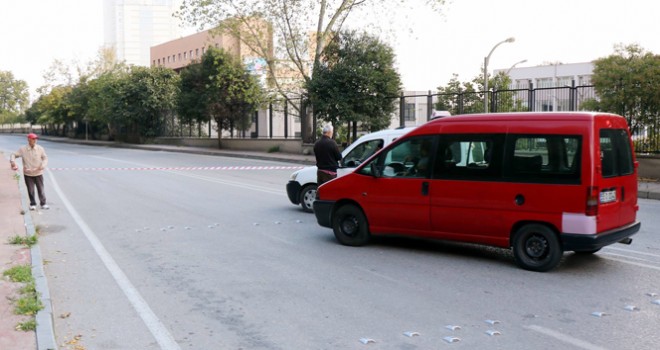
(189, 168)
(610, 256)
(632, 251)
(157, 328)
(564, 338)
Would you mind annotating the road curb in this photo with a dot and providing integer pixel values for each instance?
(45, 331)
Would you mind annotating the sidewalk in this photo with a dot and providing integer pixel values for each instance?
(13, 223)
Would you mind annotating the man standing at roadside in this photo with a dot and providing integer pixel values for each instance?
(34, 163)
(327, 156)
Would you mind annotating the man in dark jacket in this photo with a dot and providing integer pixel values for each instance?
(327, 156)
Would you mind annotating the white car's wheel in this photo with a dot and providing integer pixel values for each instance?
(307, 197)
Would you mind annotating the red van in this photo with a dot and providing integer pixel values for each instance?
(540, 183)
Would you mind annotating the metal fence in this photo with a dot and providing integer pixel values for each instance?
(282, 119)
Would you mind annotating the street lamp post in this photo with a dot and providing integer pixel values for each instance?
(486, 59)
(514, 66)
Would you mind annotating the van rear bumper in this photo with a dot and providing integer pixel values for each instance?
(576, 242)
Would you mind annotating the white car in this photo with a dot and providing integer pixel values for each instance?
(301, 188)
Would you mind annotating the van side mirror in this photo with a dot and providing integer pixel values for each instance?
(375, 171)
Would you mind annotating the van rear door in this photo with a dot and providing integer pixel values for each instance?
(617, 178)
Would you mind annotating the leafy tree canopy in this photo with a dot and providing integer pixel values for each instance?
(628, 83)
(219, 87)
(301, 28)
(14, 97)
(356, 82)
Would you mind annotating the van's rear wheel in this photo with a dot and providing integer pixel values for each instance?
(536, 248)
(350, 225)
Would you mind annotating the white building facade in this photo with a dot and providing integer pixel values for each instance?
(553, 84)
(132, 27)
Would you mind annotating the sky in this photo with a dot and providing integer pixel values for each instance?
(430, 47)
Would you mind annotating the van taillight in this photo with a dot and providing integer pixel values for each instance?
(592, 201)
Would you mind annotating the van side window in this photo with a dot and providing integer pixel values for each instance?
(410, 158)
(543, 158)
(615, 153)
(469, 157)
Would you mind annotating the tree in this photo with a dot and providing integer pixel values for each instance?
(146, 97)
(355, 82)
(14, 97)
(460, 98)
(191, 107)
(219, 87)
(628, 83)
(301, 28)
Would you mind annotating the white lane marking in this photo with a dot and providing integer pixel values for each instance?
(385, 277)
(201, 177)
(229, 183)
(564, 338)
(630, 257)
(157, 328)
(633, 251)
(629, 262)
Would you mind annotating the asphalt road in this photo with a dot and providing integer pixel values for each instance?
(158, 250)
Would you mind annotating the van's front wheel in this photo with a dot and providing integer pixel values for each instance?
(536, 248)
(350, 225)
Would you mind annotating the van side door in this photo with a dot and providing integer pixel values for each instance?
(396, 200)
(466, 198)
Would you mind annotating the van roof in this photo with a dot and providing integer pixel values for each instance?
(517, 116)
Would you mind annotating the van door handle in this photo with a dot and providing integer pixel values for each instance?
(425, 188)
(519, 200)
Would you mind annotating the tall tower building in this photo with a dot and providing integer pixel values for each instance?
(132, 27)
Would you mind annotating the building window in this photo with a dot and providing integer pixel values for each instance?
(409, 112)
(196, 52)
(185, 55)
(191, 54)
(584, 80)
(179, 57)
(153, 63)
(564, 81)
(544, 83)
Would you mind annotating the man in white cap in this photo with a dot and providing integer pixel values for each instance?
(34, 163)
(327, 156)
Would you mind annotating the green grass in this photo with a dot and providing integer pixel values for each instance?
(274, 149)
(29, 303)
(28, 241)
(19, 273)
(27, 326)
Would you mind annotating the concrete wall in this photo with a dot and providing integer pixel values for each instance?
(649, 166)
(256, 145)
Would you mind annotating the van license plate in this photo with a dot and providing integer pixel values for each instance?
(608, 196)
